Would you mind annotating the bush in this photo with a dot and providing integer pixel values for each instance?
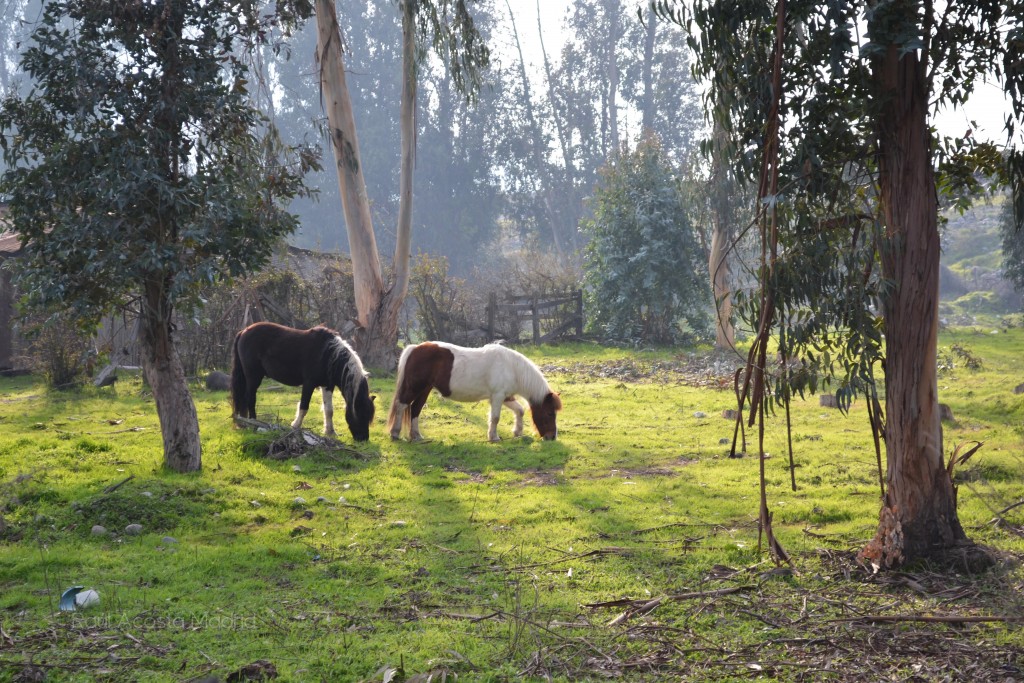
(59, 350)
(646, 272)
(444, 309)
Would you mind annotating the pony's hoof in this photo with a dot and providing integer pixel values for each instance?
(496, 439)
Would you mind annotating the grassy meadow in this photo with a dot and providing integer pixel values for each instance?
(628, 548)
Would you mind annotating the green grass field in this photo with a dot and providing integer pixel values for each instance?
(628, 548)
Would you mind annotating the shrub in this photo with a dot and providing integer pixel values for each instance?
(646, 272)
(444, 309)
(58, 350)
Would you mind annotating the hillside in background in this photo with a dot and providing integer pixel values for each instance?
(973, 290)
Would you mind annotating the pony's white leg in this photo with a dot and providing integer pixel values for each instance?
(300, 415)
(517, 408)
(492, 424)
(414, 429)
(328, 406)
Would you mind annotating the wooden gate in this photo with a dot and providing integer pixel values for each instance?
(549, 318)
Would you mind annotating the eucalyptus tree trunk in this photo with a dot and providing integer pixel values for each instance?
(721, 243)
(648, 108)
(718, 262)
(377, 308)
(918, 519)
(611, 12)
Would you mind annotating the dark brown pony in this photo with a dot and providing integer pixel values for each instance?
(312, 358)
(493, 373)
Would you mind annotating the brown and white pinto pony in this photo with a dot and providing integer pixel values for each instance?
(493, 373)
(312, 358)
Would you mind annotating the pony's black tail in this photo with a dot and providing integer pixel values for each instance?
(238, 392)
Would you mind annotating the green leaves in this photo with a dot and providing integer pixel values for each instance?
(646, 273)
(136, 157)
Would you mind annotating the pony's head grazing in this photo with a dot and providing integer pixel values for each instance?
(544, 414)
(350, 378)
(359, 411)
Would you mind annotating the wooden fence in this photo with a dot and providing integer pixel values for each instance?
(549, 318)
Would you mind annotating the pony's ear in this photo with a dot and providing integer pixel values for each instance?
(373, 397)
(556, 400)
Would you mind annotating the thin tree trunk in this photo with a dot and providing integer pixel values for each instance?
(918, 519)
(647, 120)
(721, 242)
(537, 143)
(719, 264)
(568, 224)
(611, 12)
(179, 423)
(382, 339)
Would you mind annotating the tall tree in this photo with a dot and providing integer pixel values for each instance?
(135, 172)
(455, 39)
(851, 215)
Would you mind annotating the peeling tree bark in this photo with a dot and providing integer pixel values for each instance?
(918, 518)
(377, 308)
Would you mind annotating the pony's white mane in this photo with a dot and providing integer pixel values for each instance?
(356, 373)
(529, 377)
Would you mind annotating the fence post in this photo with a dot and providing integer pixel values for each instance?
(536, 321)
(492, 309)
(579, 313)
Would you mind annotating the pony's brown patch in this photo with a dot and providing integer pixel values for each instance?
(428, 366)
(544, 415)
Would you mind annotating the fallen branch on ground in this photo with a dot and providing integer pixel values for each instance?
(640, 607)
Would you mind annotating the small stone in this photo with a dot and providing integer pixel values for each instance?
(321, 499)
(699, 414)
(398, 522)
(99, 530)
(168, 540)
(342, 499)
(147, 494)
(723, 441)
(299, 500)
(133, 529)
(255, 503)
(296, 468)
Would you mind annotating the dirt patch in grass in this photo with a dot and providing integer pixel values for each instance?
(714, 370)
(643, 472)
(542, 477)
